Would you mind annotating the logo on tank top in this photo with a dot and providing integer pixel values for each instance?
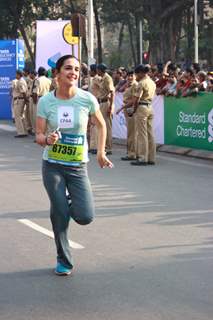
(65, 117)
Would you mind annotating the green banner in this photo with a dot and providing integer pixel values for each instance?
(188, 122)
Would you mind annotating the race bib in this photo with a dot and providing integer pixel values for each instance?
(65, 117)
(69, 149)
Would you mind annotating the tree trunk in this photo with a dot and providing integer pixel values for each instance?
(23, 33)
(172, 40)
(98, 29)
(14, 13)
(179, 27)
(137, 39)
(161, 46)
(189, 35)
(209, 50)
(84, 49)
(131, 41)
(121, 36)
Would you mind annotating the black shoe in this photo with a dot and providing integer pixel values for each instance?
(30, 132)
(151, 163)
(139, 163)
(20, 136)
(93, 151)
(127, 158)
(108, 153)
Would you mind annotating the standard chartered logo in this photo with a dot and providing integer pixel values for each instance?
(194, 125)
(210, 126)
(191, 125)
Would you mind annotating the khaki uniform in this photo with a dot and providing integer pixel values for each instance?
(19, 105)
(14, 94)
(146, 149)
(94, 88)
(27, 116)
(85, 82)
(129, 93)
(32, 106)
(54, 84)
(106, 86)
(41, 86)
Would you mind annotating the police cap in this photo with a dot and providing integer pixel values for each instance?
(142, 68)
(19, 72)
(130, 72)
(102, 67)
(93, 67)
(42, 71)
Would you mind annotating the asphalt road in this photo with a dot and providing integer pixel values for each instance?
(147, 256)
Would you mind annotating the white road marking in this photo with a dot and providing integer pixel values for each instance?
(179, 212)
(48, 233)
(188, 162)
(7, 127)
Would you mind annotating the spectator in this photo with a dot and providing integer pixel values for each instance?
(202, 86)
(210, 81)
(170, 87)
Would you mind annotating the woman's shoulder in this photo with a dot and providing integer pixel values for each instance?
(85, 95)
(48, 96)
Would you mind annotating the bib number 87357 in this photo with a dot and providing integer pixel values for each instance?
(58, 148)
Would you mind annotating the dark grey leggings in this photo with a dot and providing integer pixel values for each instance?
(57, 178)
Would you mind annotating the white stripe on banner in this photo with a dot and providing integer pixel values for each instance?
(7, 127)
(48, 233)
(119, 129)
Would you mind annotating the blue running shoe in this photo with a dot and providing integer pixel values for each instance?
(61, 270)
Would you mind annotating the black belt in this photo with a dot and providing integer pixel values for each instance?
(18, 98)
(145, 103)
(103, 100)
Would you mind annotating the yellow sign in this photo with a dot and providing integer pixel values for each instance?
(67, 34)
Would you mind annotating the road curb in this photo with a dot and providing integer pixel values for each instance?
(193, 153)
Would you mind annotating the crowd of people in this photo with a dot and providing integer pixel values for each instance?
(26, 90)
(171, 80)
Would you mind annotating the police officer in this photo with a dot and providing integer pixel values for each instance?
(84, 77)
(32, 105)
(128, 98)
(94, 88)
(14, 94)
(53, 85)
(28, 121)
(106, 101)
(146, 149)
(41, 87)
(19, 105)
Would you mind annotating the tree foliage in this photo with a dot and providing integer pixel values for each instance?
(167, 24)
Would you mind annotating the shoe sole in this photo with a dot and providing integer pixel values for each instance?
(61, 274)
(128, 159)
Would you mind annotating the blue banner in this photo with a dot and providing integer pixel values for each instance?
(11, 58)
(20, 54)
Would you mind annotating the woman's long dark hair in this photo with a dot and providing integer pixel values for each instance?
(61, 60)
